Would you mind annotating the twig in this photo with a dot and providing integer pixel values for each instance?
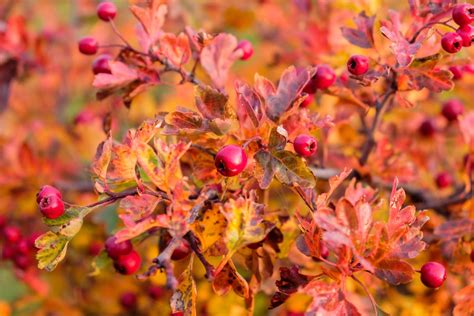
(428, 25)
(193, 242)
(372, 300)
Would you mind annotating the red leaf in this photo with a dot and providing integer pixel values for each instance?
(175, 48)
(394, 272)
(121, 75)
(328, 299)
(292, 82)
(249, 103)
(363, 35)
(404, 50)
(218, 56)
(151, 20)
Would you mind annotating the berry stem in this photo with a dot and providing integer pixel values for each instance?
(366, 290)
(114, 28)
(428, 25)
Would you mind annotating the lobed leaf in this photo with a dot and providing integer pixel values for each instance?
(184, 297)
(363, 35)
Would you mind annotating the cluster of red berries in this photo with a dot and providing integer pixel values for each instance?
(231, 160)
(325, 76)
(463, 15)
(459, 71)
(450, 110)
(126, 260)
(129, 300)
(50, 202)
(16, 247)
(106, 11)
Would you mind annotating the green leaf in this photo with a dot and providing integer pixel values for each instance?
(100, 262)
(14, 289)
(286, 166)
(52, 249)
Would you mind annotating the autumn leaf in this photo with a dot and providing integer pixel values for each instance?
(184, 297)
(212, 104)
(435, 80)
(291, 280)
(249, 103)
(228, 278)
(465, 124)
(290, 86)
(246, 224)
(120, 76)
(361, 36)
(209, 227)
(328, 299)
(176, 49)
(286, 166)
(394, 272)
(403, 50)
(218, 56)
(151, 21)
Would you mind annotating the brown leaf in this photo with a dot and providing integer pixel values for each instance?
(249, 103)
(394, 272)
(212, 104)
(228, 278)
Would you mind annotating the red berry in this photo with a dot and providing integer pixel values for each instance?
(358, 65)
(8, 252)
(115, 250)
(3, 221)
(457, 72)
(472, 255)
(305, 145)
(128, 300)
(246, 48)
(444, 180)
(463, 14)
(182, 251)
(324, 251)
(433, 274)
(88, 45)
(22, 261)
(12, 234)
(178, 313)
(129, 263)
(307, 102)
(427, 128)
(230, 160)
(101, 64)
(32, 239)
(156, 292)
(47, 190)
(94, 248)
(106, 11)
(468, 68)
(23, 246)
(452, 109)
(451, 42)
(467, 34)
(323, 79)
(51, 206)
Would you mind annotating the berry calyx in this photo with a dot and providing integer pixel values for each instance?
(129, 300)
(230, 160)
(452, 109)
(457, 72)
(51, 206)
(307, 102)
(88, 46)
(12, 234)
(463, 14)
(106, 11)
(467, 34)
(433, 274)
(128, 264)
(116, 249)
(182, 251)
(47, 190)
(101, 64)
(427, 128)
(246, 48)
(305, 145)
(358, 65)
(444, 180)
(452, 42)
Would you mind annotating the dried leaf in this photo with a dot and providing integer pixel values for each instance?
(184, 297)
(228, 278)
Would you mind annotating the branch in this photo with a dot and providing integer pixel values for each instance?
(194, 243)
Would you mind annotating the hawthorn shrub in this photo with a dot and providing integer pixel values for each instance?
(325, 191)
